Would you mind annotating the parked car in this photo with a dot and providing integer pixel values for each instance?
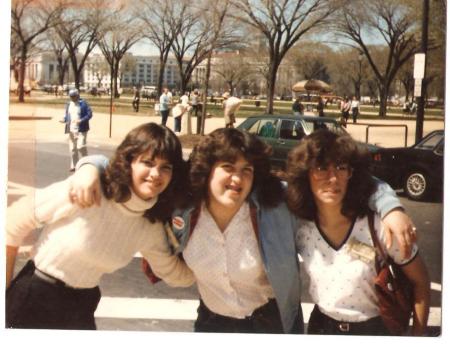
(149, 92)
(283, 132)
(97, 91)
(417, 169)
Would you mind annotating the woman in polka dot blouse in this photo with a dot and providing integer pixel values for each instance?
(329, 188)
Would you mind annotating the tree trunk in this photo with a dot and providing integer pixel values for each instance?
(115, 73)
(231, 87)
(205, 92)
(183, 84)
(23, 61)
(162, 66)
(271, 88)
(383, 101)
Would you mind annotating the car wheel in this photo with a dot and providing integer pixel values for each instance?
(416, 185)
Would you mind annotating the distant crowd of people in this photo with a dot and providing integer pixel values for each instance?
(345, 106)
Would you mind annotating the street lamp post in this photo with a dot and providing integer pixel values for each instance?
(111, 96)
(421, 98)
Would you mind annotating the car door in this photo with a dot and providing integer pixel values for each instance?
(289, 132)
(266, 129)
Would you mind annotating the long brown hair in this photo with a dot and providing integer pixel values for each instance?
(226, 144)
(161, 142)
(323, 147)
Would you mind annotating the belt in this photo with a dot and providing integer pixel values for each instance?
(49, 279)
(345, 327)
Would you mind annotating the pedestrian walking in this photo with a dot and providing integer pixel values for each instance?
(179, 111)
(355, 108)
(136, 99)
(345, 111)
(164, 106)
(320, 107)
(58, 288)
(231, 105)
(77, 116)
(195, 103)
(297, 107)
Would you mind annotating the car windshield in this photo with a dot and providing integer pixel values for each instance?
(430, 142)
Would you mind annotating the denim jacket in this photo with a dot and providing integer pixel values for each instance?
(275, 231)
(275, 227)
(85, 115)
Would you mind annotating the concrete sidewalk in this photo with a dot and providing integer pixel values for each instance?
(43, 125)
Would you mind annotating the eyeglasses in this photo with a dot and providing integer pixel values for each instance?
(342, 171)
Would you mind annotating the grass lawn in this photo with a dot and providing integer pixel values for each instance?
(123, 106)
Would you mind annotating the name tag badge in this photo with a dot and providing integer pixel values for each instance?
(361, 251)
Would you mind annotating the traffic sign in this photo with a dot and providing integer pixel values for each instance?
(419, 65)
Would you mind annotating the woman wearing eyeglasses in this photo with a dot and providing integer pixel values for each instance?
(329, 189)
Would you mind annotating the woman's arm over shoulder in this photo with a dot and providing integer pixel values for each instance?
(386, 203)
(98, 160)
(384, 199)
(164, 263)
(85, 190)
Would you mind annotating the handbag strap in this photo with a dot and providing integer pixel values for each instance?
(376, 241)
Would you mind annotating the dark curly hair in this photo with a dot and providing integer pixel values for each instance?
(226, 144)
(161, 142)
(323, 147)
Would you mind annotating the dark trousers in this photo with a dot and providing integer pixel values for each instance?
(36, 303)
(265, 320)
(197, 112)
(136, 105)
(354, 114)
(321, 324)
(177, 124)
(164, 116)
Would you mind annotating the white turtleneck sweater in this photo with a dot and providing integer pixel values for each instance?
(79, 245)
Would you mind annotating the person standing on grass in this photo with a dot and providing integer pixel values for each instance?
(355, 108)
(320, 107)
(77, 116)
(195, 108)
(231, 105)
(297, 107)
(164, 106)
(136, 99)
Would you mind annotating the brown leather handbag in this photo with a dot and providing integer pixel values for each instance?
(394, 290)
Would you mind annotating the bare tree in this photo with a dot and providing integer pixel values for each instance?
(120, 32)
(233, 68)
(99, 67)
(80, 30)
(282, 23)
(57, 46)
(310, 60)
(128, 64)
(159, 26)
(391, 21)
(193, 37)
(405, 75)
(216, 20)
(29, 20)
(190, 45)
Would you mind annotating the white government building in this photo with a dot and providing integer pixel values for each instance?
(43, 70)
